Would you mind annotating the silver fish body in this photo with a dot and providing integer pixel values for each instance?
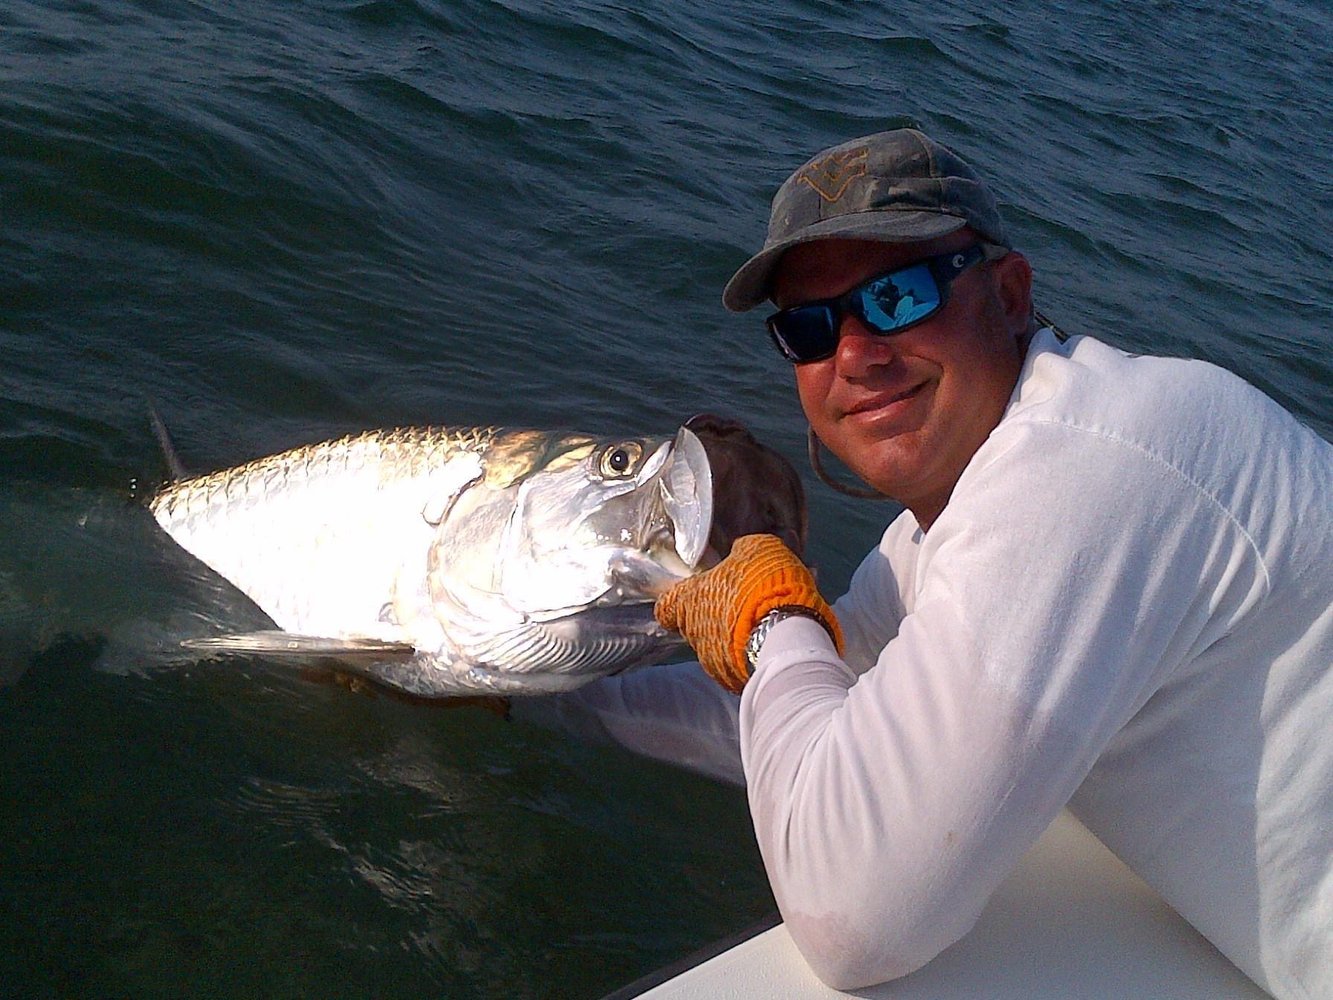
(447, 562)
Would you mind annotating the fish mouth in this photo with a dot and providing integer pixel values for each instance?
(677, 517)
(687, 496)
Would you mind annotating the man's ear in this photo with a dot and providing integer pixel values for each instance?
(1013, 287)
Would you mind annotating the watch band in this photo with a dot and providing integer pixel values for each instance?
(765, 625)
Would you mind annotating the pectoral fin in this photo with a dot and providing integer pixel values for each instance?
(279, 645)
(359, 663)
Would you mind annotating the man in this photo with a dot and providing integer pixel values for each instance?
(1112, 588)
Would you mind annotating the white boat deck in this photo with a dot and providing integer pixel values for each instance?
(1070, 922)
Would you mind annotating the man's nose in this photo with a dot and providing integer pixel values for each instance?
(860, 347)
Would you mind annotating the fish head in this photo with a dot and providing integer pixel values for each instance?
(566, 523)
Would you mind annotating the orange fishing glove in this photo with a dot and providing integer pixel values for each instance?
(716, 610)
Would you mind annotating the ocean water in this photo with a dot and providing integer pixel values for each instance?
(280, 222)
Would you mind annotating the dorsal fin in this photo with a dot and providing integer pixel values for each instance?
(174, 466)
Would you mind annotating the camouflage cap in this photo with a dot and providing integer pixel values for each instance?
(894, 187)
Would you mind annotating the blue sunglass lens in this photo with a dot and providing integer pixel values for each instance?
(900, 299)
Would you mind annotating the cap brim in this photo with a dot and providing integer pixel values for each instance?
(751, 285)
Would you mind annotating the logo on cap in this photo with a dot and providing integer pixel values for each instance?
(830, 176)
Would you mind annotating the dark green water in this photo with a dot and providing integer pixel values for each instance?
(280, 222)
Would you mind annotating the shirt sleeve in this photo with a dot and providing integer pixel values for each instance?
(1065, 579)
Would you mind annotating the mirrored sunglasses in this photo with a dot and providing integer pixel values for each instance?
(886, 304)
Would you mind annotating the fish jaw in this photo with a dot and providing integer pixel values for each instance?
(686, 487)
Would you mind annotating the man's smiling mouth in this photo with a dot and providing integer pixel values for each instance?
(883, 401)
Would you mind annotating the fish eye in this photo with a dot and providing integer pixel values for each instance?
(619, 460)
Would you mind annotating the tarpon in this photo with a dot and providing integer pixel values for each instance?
(444, 562)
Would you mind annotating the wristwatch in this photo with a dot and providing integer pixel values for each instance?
(765, 625)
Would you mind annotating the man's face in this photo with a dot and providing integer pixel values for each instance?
(906, 412)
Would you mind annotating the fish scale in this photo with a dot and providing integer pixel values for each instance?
(402, 451)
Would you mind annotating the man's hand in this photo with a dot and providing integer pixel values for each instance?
(716, 610)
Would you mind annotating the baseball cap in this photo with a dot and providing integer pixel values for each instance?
(899, 186)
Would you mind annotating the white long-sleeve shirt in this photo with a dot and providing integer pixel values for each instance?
(1126, 606)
